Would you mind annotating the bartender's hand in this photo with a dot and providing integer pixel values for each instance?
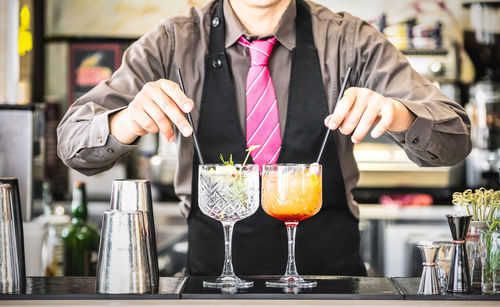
(158, 106)
(362, 108)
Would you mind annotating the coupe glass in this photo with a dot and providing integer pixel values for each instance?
(291, 193)
(228, 194)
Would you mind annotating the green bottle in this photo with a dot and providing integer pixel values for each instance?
(80, 239)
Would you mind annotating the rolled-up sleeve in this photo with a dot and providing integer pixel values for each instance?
(84, 140)
(440, 134)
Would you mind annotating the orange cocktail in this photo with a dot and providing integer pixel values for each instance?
(292, 197)
(291, 193)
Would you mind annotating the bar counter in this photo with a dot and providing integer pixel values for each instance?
(188, 291)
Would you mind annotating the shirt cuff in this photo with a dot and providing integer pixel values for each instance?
(110, 151)
(419, 134)
(99, 128)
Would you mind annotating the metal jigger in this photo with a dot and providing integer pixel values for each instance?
(12, 278)
(459, 275)
(135, 195)
(429, 282)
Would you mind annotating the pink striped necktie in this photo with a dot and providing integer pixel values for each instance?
(262, 120)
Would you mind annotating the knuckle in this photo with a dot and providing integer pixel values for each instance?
(161, 118)
(148, 86)
(345, 129)
(149, 126)
(171, 86)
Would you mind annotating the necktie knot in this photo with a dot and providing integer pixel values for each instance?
(260, 50)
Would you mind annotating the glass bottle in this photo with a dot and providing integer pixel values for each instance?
(80, 239)
(52, 249)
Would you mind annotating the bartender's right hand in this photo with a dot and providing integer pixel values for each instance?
(156, 108)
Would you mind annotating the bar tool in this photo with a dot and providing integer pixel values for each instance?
(459, 275)
(123, 265)
(429, 282)
(11, 269)
(135, 195)
(18, 225)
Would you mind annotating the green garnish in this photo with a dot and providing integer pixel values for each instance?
(227, 163)
(239, 191)
(231, 162)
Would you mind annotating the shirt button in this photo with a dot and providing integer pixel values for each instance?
(402, 141)
(217, 63)
(215, 22)
(99, 139)
(415, 140)
(110, 150)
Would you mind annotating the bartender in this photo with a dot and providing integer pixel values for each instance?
(267, 70)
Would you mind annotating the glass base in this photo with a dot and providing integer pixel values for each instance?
(291, 282)
(228, 281)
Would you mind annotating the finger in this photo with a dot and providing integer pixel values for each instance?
(160, 118)
(365, 123)
(146, 122)
(327, 120)
(173, 90)
(171, 109)
(353, 117)
(342, 108)
(387, 117)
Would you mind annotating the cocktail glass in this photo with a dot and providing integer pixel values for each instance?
(291, 193)
(228, 194)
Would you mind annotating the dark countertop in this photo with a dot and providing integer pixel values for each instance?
(83, 288)
(329, 287)
(409, 286)
(178, 288)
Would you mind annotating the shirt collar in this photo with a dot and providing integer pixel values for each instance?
(284, 33)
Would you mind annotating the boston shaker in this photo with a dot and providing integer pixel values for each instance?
(135, 195)
(123, 265)
(18, 225)
(12, 279)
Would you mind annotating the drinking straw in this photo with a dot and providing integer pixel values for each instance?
(190, 119)
(341, 94)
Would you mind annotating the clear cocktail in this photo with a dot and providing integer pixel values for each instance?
(228, 194)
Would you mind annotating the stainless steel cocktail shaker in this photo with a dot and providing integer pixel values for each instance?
(123, 264)
(135, 195)
(12, 267)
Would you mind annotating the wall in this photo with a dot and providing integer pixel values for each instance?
(9, 59)
(121, 18)
(131, 19)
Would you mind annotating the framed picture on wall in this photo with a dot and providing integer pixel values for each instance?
(89, 64)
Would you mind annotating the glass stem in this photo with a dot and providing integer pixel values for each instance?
(228, 256)
(291, 269)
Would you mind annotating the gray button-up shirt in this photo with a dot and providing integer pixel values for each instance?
(440, 134)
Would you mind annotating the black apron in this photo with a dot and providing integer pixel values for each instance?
(327, 243)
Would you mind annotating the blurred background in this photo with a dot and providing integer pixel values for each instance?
(53, 51)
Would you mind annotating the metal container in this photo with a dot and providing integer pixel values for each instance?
(135, 195)
(123, 265)
(459, 275)
(21, 156)
(429, 282)
(12, 279)
(18, 222)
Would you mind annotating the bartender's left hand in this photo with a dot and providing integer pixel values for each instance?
(362, 108)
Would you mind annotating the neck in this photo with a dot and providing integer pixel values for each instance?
(259, 19)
